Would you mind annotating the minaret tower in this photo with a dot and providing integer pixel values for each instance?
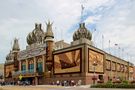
(15, 51)
(49, 40)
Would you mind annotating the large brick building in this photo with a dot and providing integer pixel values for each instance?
(45, 61)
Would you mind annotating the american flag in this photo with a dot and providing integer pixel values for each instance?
(116, 44)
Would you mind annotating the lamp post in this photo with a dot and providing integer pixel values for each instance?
(94, 76)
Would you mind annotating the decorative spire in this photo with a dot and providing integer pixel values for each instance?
(16, 45)
(49, 33)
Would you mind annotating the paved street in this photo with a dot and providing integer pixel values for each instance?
(47, 87)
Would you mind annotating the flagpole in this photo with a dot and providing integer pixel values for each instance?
(82, 8)
(116, 50)
(109, 47)
(102, 42)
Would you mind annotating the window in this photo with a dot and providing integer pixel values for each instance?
(100, 77)
(23, 67)
(113, 66)
(39, 67)
(31, 66)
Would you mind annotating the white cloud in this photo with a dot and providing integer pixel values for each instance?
(117, 25)
(93, 19)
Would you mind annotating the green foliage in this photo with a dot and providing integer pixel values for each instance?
(125, 84)
(109, 82)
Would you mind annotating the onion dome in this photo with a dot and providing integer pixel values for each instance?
(16, 45)
(9, 56)
(36, 36)
(82, 32)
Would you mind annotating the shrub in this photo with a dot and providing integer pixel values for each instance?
(125, 82)
(113, 85)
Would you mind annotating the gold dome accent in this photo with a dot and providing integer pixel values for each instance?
(36, 36)
(82, 32)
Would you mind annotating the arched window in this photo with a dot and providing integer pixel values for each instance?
(23, 67)
(40, 65)
(31, 66)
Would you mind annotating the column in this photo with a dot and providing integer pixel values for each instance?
(43, 63)
(20, 65)
(36, 80)
(26, 65)
(35, 64)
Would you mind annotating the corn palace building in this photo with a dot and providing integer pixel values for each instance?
(45, 61)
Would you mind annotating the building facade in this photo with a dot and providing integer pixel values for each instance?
(45, 61)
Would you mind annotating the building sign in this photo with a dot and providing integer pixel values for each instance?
(98, 58)
(67, 62)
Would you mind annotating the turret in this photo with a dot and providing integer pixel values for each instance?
(49, 34)
(15, 52)
(16, 47)
(49, 45)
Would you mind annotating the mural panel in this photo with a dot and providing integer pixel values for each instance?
(67, 62)
(98, 58)
(8, 70)
(131, 70)
(113, 66)
(126, 69)
(122, 68)
(118, 67)
(108, 64)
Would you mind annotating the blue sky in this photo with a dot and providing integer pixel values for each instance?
(113, 20)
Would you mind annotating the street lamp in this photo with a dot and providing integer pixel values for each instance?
(94, 76)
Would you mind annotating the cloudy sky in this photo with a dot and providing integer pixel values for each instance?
(108, 20)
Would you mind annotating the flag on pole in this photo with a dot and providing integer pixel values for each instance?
(109, 46)
(82, 7)
(116, 44)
